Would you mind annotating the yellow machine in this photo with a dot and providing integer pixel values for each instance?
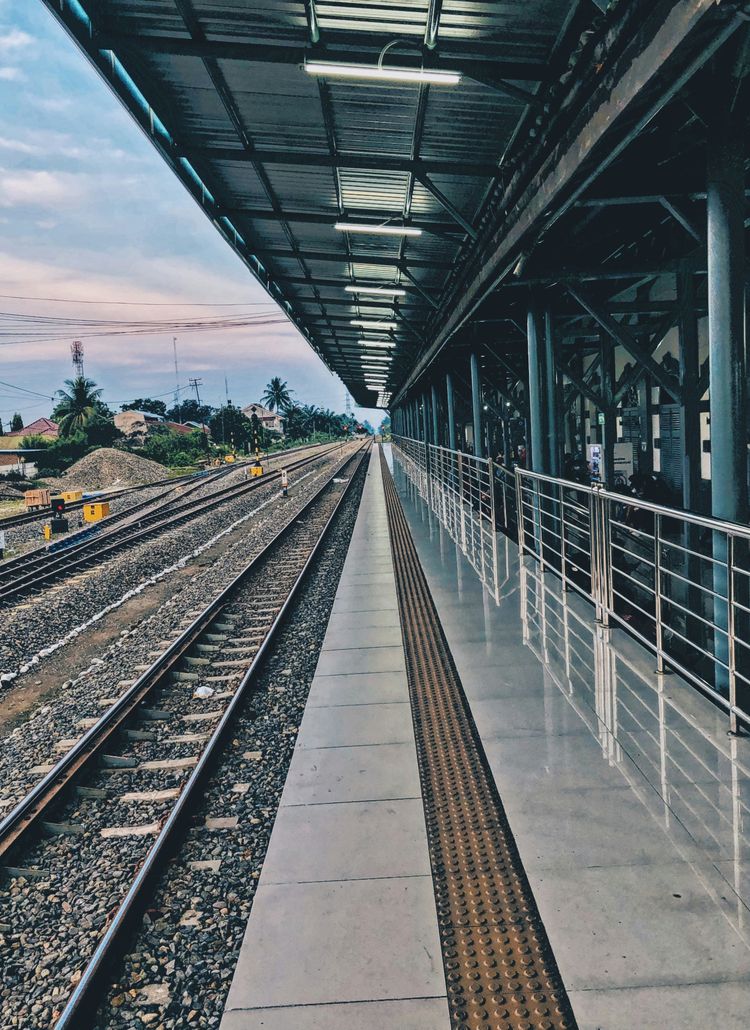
(256, 470)
(95, 512)
(69, 496)
(230, 459)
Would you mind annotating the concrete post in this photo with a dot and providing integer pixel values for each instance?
(450, 400)
(476, 404)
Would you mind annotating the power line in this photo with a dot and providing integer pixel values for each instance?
(23, 389)
(143, 303)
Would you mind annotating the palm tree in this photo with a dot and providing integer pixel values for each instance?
(78, 406)
(277, 396)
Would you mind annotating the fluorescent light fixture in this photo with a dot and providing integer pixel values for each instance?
(378, 230)
(378, 343)
(377, 291)
(376, 73)
(365, 324)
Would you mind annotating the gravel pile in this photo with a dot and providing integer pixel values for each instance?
(106, 468)
(48, 923)
(8, 492)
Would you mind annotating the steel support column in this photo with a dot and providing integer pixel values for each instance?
(689, 373)
(435, 426)
(726, 355)
(554, 457)
(538, 412)
(451, 403)
(607, 363)
(476, 404)
(425, 419)
(726, 316)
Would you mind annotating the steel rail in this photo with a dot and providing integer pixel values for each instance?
(30, 809)
(108, 495)
(87, 994)
(81, 536)
(121, 536)
(150, 510)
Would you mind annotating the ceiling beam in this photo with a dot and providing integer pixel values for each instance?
(620, 333)
(354, 162)
(362, 258)
(318, 218)
(343, 47)
(449, 206)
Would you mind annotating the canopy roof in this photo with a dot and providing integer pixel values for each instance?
(278, 156)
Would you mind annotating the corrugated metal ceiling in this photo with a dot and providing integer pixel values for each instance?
(285, 154)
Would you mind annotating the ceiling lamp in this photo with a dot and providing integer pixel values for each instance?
(378, 230)
(364, 324)
(378, 343)
(377, 73)
(377, 291)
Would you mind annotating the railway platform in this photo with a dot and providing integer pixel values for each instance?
(614, 806)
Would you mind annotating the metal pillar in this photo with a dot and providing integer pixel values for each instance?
(537, 401)
(689, 372)
(435, 427)
(607, 363)
(726, 316)
(451, 411)
(425, 420)
(554, 457)
(726, 355)
(476, 404)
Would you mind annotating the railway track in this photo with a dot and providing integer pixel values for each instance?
(162, 736)
(32, 572)
(200, 478)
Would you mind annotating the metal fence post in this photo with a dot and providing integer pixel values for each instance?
(731, 636)
(657, 595)
(519, 513)
(563, 549)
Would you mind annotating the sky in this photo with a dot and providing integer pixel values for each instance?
(90, 213)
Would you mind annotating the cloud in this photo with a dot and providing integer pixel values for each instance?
(40, 189)
(9, 74)
(14, 40)
(17, 145)
(52, 104)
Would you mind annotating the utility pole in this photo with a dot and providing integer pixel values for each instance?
(196, 383)
(176, 380)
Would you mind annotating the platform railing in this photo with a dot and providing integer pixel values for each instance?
(678, 582)
(458, 488)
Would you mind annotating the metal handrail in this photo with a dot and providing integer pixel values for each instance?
(690, 607)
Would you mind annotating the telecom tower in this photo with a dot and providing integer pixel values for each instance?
(76, 353)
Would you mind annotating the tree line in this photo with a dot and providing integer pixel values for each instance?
(87, 422)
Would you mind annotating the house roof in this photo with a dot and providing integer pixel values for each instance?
(40, 427)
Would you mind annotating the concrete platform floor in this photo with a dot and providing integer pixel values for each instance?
(343, 931)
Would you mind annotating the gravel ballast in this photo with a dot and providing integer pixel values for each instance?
(83, 876)
(33, 627)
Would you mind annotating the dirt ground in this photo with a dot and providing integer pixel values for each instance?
(45, 681)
